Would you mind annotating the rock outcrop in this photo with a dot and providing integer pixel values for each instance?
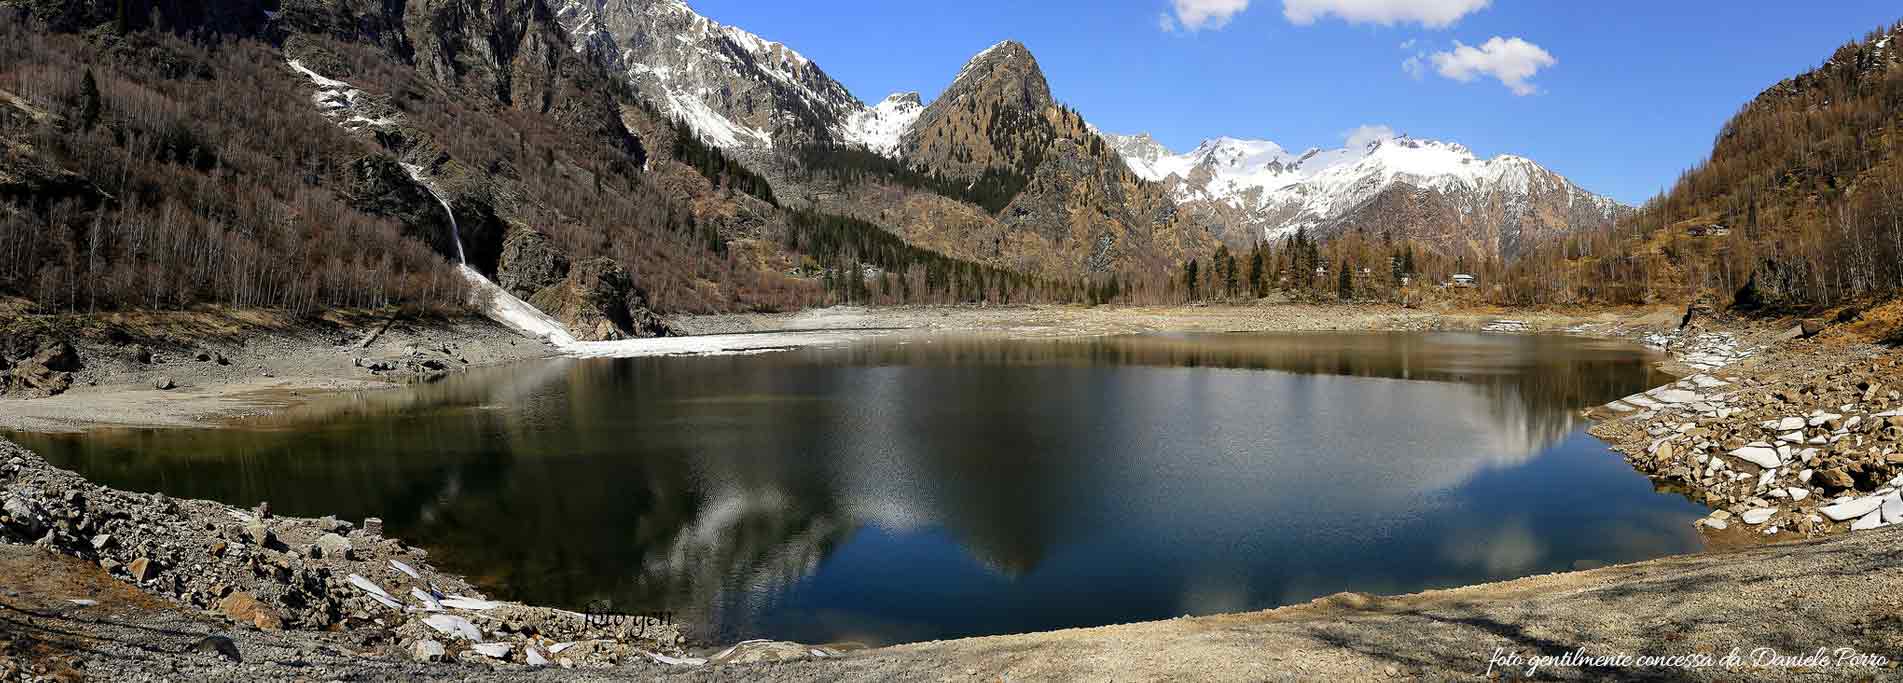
(598, 301)
(35, 366)
(529, 263)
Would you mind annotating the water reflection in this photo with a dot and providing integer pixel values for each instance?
(926, 487)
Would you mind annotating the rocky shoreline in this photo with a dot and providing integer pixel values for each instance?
(1784, 434)
(258, 573)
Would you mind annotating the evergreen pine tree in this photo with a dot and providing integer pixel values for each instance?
(89, 104)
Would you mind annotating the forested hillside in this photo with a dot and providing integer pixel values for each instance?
(166, 156)
(1800, 203)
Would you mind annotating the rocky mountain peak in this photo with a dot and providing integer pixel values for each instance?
(734, 88)
(1005, 73)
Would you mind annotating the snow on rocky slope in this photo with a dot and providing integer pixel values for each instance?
(1281, 191)
(880, 127)
(734, 88)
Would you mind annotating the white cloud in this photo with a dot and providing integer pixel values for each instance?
(1408, 44)
(1430, 13)
(1166, 23)
(1414, 67)
(1196, 15)
(1512, 60)
(1364, 134)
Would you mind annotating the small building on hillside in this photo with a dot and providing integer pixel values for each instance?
(1710, 230)
(1463, 280)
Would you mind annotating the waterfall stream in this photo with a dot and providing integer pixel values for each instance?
(494, 301)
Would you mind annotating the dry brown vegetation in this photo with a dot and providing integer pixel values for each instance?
(1800, 204)
(195, 177)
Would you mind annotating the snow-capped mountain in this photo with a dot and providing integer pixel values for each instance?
(736, 89)
(1271, 192)
(879, 128)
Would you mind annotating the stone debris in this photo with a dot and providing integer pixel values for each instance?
(280, 573)
(1795, 439)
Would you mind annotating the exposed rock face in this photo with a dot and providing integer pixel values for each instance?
(993, 116)
(733, 87)
(529, 263)
(1080, 209)
(37, 367)
(379, 185)
(598, 301)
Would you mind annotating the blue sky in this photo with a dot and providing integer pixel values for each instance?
(1622, 95)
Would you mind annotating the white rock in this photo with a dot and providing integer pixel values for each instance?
(1793, 437)
(1675, 396)
(1790, 424)
(1757, 516)
(1798, 494)
(1765, 479)
(460, 602)
(1819, 420)
(376, 592)
(430, 603)
(493, 650)
(406, 569)
(535, 657)
(1870, 521)
(1718, 524)
(1762, 457)
(452, 625)
(426, 650)
(1893, 509)
(1805, 475)
(1852, 509)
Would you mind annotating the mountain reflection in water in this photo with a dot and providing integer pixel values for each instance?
(925, 487)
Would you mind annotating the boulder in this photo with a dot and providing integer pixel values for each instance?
(1852, 509)
(1833, 480)
(219, 645)
(143, 570)
(245, 608)
(164, 384)
(334, 546)
(426, 650)
(1761, 456)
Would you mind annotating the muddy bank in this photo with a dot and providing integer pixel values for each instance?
(183, 369)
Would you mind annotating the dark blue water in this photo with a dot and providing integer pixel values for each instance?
(918, 488)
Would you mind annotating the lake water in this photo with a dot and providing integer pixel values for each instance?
(929, 487)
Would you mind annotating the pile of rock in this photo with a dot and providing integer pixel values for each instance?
(1812, 446)
(416, 362)
(268, 572)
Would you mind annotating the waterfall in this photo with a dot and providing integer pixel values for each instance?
(455, 231)
(494, 301)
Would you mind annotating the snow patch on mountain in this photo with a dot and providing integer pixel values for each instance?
(879, 128)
